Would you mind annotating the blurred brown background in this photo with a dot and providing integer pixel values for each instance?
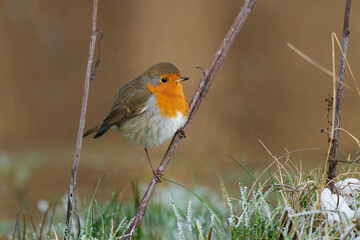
(262, 91)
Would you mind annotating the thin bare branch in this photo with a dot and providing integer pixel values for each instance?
(72, 184)
(198, 97)
(333, 153)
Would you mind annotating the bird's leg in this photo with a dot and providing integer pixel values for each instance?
(157, 174)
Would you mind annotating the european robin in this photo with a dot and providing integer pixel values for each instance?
(148, 110)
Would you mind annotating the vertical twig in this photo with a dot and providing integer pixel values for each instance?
(331, 173)
(72, 184)
(199, 95)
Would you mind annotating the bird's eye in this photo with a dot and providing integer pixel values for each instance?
(164, 80)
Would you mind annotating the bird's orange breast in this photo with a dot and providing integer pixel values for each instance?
(170, 99)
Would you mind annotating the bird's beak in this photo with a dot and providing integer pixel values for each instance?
(181, 79)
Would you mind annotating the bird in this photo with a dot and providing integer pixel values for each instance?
(148, 110)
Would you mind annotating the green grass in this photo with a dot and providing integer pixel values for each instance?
(283, 202)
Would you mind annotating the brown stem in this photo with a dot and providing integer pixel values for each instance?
(198, 97)
(331, 173)
(72, 184)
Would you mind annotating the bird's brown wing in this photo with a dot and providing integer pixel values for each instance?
(126, 105)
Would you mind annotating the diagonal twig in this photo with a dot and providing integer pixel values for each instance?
(347, 64)
(16, 229)
(50, 222)
(72, 184)
(43, 222)
(198, 97)
(310, 60)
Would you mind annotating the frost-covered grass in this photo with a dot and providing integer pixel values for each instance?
(282, 202)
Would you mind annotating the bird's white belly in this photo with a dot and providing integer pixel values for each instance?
(150, 128)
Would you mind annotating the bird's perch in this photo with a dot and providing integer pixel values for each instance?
(72, 184)
(331, 173)
(198, 97)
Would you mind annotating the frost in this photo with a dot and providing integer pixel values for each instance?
(349, 187)
(198, 224)
(189, 217)
(231, 219)
(178, 220)
(212, 220)
(329, 204)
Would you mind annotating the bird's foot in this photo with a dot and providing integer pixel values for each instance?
(181, 133)
(157, 175)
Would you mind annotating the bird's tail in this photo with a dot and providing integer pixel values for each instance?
(99, 129)
(92, 130)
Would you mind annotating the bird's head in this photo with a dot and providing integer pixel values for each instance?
(163, 77)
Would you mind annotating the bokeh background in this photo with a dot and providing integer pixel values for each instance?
(262, 91)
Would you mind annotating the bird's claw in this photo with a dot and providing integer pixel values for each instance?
(181, 133)
(157, 175)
